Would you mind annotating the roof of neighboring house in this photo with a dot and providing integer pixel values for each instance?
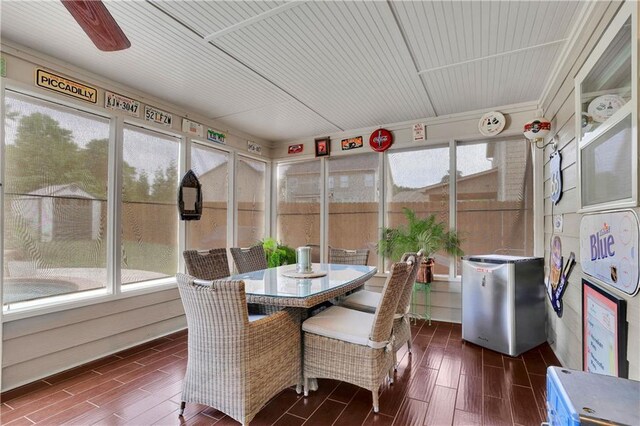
(70, 189)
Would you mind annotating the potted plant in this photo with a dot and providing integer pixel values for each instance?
(426, 234)
(278, 254)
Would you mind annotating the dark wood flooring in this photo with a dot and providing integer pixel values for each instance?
(444, 381)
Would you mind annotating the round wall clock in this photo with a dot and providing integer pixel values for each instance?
(604, 107)
(380, 140)
(491, 123)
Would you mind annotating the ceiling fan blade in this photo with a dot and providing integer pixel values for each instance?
(97, 22)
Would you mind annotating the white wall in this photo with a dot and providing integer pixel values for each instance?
(565, 334)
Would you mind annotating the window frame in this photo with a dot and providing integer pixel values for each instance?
(113, 289)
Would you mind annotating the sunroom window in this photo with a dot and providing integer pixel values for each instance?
(55, 204)
(149, 220)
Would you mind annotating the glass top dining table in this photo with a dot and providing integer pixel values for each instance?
(272, 287)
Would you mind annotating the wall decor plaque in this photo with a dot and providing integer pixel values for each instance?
(380, 140)
(604, 332)
(351, 143)
(295, 149)
(157, 116)
(66, 86)
(122, 103)
(609, 249)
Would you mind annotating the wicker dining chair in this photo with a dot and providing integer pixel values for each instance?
(348, 257)
(249, 259)
(368, 301)
(234, 364)
(207, 265)
(352, 346)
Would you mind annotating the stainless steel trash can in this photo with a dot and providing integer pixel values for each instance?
(503, 302)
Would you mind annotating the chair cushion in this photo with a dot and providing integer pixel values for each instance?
(366, 301)
(256, 317)
(341, 324)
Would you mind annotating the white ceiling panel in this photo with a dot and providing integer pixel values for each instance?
(345, 59)
(444, 33)
(209, 17)
(274, 121)
(165, 59)
(285, 70)
(490, 82)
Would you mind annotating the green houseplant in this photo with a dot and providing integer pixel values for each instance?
(426, 234)
(278, 254)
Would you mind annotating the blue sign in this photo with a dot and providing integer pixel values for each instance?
(609, 249)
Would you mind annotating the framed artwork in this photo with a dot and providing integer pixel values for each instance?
(604, 332)
(351, 143)
(322, 147)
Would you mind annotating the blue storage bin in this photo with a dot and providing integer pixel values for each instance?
(577, 396)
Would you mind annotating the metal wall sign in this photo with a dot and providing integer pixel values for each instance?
(157, 116)
(556, 177)
(609, 249)
(380, 140)
(66, 86)
(192, 128)
(217, 137)
(122, 103)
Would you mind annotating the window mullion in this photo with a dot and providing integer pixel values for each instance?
(453, 225)
(114, 203)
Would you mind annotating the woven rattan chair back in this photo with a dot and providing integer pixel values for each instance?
(234, 364)
(214, 309)
(348, 257)
(249, 260)
(383, 320)
(207, 265)
(405, 297)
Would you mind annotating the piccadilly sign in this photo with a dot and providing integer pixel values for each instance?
(65, 86)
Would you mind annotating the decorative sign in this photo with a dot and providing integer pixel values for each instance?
(296, 149)
(254, 148)
(157, 116)
(603, 107)
(323, 145)
(604, 332)
(555, 260)
(609, 249)
(121, 103)
(491, 123)
(555, 293)
(192, 128)
(65, 86)
(558, 221)
(380, 140)
(216, 137)
(556, 177)
(3, 67)
(419, 133)
(351, 143)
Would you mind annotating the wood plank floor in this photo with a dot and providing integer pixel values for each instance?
(444, 381)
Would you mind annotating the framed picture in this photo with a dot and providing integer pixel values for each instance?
(322, 147)
(351, 143)
(604, 332)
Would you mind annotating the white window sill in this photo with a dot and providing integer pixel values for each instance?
(61, 303)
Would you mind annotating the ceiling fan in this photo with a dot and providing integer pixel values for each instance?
(97, 22)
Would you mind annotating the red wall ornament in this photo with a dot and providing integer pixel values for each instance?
(380, 140)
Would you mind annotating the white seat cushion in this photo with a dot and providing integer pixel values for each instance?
(341, 324)
(366, 301)
(256, 317)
